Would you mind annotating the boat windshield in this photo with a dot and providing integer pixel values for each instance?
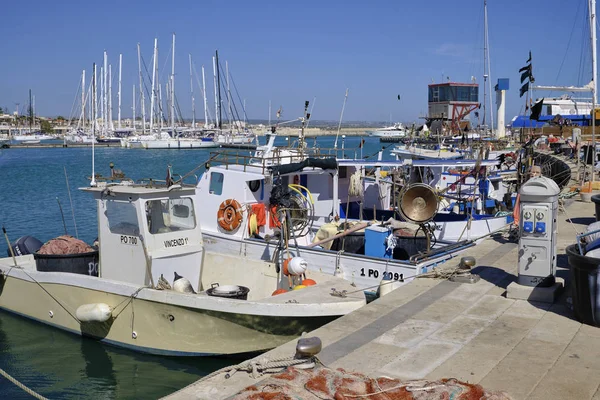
(170, 215)
(122, 218)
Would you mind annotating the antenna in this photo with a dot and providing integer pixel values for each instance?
(340, 123)
(93, 181)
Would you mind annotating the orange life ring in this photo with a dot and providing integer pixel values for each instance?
(230, 215)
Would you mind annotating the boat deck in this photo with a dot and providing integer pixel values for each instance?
(432, 328)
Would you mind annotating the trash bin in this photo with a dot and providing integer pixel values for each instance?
(82, 263)
(596, 200)
(585, 286)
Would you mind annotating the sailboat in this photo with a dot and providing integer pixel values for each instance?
(237, 132)
(31, 137)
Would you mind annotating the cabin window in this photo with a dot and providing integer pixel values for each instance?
(122, 218)
(170, 215)
(216, 183)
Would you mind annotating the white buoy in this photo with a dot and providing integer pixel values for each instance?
(297, 266)
(182, 285)
(96, 312)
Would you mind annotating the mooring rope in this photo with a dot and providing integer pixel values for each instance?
(260, 367)
(22, 386)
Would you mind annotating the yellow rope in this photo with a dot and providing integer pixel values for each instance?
(294, 187)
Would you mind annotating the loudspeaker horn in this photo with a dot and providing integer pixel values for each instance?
(418, 203)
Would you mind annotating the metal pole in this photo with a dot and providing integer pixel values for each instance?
(592, 6)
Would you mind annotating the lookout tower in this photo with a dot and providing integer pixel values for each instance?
(452, 102)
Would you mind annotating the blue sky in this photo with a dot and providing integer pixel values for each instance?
(289, 52)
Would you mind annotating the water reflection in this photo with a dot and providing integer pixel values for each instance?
(60, 365)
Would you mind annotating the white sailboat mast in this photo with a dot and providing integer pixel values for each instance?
(173, 88)
(141, 90)
(119, 93)
(110, 109)
(269, 113)
(205, 102)
(229, 114)
(153, 92)
(133, 99)
(105, 92)
(218, 122)
(102, 117)
(160, 105)
(192, 94)
(94, 108)
(83, 99)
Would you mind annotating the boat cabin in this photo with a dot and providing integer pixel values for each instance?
(147, 231)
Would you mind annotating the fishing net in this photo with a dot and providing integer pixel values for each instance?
(325, 383)
(65, 244)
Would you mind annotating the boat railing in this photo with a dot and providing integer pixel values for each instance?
(261, 164)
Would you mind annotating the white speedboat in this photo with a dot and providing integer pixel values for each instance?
(397, 130)
(235, 138)
(31, 137)
(149, 237)
(414, 152)
(165, 141)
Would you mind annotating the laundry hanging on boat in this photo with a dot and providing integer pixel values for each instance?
(258, 218)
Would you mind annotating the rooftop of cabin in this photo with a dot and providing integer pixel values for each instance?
(138, 189)
(279, 158)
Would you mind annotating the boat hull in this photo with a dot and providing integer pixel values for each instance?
(361, 271)
(148, 321)
(178, 144)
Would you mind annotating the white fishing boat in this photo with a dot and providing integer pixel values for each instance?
(248, 203)
(149, 238)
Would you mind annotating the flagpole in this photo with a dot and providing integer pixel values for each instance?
(592, 10)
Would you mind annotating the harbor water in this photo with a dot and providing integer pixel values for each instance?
(60, 365)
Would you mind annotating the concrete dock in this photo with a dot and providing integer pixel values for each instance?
(433, 328)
